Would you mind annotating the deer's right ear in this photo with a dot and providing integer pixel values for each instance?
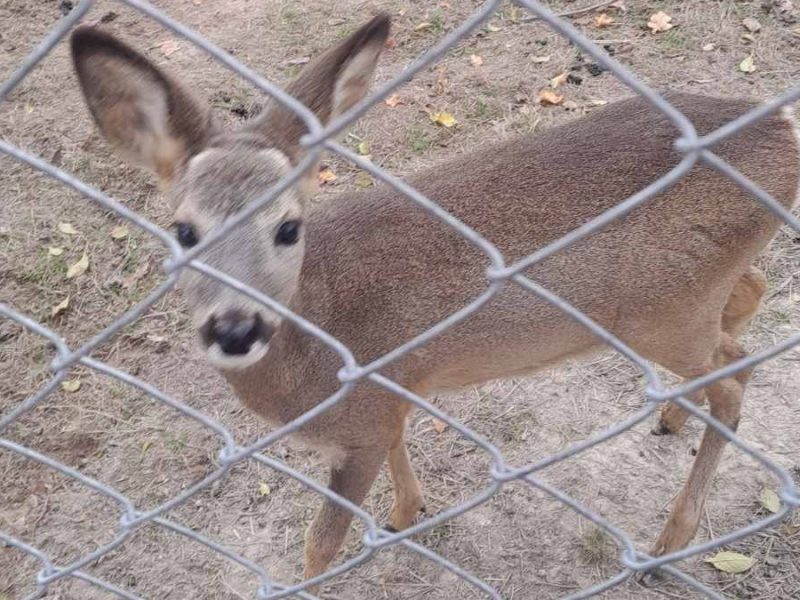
(149, 118)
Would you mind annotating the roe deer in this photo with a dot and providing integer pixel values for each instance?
(673, 279)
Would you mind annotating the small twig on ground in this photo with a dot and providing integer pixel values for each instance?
(571, 13)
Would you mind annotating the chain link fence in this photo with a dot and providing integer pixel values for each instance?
(695, 149)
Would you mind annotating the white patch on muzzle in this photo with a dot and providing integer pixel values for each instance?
(236, 362)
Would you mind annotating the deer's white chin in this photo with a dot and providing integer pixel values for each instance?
(236, 362)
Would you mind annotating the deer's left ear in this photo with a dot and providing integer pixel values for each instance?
(329, 85)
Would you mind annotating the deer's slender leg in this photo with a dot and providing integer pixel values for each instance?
(408, 499)
(351, 479)
(725, 399)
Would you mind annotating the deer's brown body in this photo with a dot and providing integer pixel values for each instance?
(673, 279)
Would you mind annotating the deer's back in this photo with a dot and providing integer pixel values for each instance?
(391, 271)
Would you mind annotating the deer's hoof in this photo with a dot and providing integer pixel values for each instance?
(650, 579)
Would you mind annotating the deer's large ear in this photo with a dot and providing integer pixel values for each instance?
(149, 118)
(329, 85)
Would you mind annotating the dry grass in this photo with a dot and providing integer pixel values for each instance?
(521, 541)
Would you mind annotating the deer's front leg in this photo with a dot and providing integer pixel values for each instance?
(352, 480)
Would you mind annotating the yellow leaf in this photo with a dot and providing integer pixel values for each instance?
(660, 22)
(146, 445)
(603, 20)
(770, 500)
(444, 119)
(120, 232)
(71, 385)
(558, 80)
(79, 268)
(55, 251)
(67, 228)
(548, 97)
(363, 179)
(439, 426)
(422, 26)
(393, 100)
(169, 47)
(363, 148)
(731, 562)
(264, 489)
(492, 28)
(747, 66)
(326, 176)
(476, 60)
(60, 307)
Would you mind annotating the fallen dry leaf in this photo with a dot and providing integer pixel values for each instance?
(476, 60)
(120, 232)
(709, 47)
(424, 26)
(559, 80)
(752, 25)
(770, 500)
(444, 119)
(439, 426)
(67, 228)
(79, 268)
(363, 179)
(548, 97)
(747, 66)
(599, 102)
(169, 47)
(264, 489)
(393, 100)
(390, 43)
(603, 20)
(326, 175)
(540, 59)
(131, 280)
(60, 307)
(731, 562)
(363, 147)
(71, 385)
(491, 28)
(750, 39)
(660, 22)
(55, 251)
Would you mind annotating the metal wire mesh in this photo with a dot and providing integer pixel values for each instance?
(694, 148)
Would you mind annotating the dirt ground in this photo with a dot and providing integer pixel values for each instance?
(523, 543)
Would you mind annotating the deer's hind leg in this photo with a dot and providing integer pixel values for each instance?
(741, 307)
(725, 400)
(408, 499)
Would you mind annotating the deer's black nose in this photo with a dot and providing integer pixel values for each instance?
(235, 332)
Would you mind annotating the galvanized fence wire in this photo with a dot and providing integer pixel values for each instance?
(695, 149)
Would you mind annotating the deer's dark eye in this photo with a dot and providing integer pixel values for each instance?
(187, 236)
(288, 233)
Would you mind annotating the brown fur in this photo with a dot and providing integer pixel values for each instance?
(673, 279)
